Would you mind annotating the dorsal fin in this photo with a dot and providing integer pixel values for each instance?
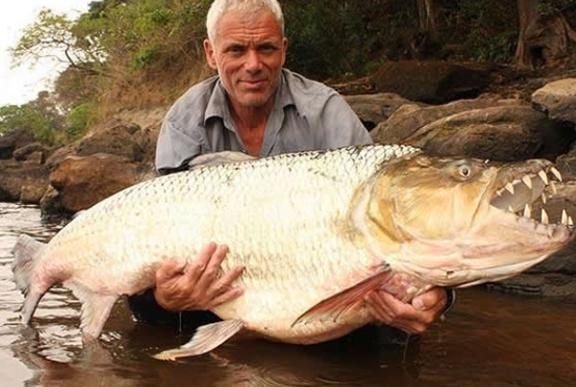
(225, 157)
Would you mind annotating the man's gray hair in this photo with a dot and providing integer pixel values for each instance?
(220, 7)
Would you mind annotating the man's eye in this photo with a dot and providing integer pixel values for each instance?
(236, 49)
(267, 49)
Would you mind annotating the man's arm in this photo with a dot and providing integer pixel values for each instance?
(175, 147)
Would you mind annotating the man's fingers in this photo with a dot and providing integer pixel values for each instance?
(195, 269)
(229, 294)
(229, 277)
(434, 299)
(212, 267)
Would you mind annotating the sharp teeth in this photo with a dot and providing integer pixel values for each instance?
(545, 218)
(543, 176)
(564, 217)
(553, 186)
(570, 221)
(556, 173)
(527, 211)
(510, 188)
(543, 196)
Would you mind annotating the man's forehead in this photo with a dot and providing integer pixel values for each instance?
(239, 26)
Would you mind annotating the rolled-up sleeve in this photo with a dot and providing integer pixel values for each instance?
(176, 148)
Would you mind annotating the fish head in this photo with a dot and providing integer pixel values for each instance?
(463, 221)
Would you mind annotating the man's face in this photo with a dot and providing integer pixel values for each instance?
(249, 52)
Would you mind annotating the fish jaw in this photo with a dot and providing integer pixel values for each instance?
(502, 246)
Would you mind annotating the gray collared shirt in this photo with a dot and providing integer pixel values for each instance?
(307, 115)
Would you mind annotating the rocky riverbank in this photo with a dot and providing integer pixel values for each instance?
(445, 109)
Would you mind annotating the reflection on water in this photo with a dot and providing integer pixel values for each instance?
(488, 339)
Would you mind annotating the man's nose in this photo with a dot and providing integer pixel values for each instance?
(253, 62)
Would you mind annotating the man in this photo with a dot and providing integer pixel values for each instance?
(256, 106)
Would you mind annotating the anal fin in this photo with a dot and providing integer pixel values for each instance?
(95, 312)
(205, 339)
(334, 306)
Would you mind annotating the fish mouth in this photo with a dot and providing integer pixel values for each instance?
(525, 193)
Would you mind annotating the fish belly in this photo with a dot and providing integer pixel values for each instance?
(284, 218)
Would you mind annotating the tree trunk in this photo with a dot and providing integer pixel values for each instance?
(428, 17)
(542, 40)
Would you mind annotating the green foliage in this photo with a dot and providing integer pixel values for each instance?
(550, 7)
(486, 29)
(126, 48)
(139, 34)
(78, 120)
(329, 38)
(28, 116)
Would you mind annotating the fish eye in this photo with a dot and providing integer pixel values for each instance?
(464, 170)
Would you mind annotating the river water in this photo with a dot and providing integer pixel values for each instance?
(487, 339)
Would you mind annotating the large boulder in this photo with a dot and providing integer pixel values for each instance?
(82, 182)
(505, 133)
(431, 82)
(119, 140)
(24, 182)
(375, 108)
(12, 140)
(30, 151)
(408, 118)
(558, 99)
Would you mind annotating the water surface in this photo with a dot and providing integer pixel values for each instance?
(488, 339)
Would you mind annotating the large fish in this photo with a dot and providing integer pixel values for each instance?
(316, 231)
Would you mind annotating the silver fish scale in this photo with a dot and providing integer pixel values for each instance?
(280, 216)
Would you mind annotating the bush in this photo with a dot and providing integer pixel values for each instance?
(42, 124)
(78, 120)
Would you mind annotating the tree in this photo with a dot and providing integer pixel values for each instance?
(544, 34)
(52, 35)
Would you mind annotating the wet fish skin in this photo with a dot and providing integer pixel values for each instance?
(115, 247)
(306, 226)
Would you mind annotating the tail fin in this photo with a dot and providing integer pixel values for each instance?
(25, 251)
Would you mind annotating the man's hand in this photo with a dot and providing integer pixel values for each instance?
(413, 318)
(196, 286)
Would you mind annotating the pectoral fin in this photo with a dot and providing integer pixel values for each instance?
(334, 306)
(205, 339)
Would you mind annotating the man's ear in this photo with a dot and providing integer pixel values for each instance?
(284, 49)
(210, 53)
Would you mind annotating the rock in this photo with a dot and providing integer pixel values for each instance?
(358, 86)
(431, 81)
(35, 158)
(25, 151)
(554, 276)
(84, 181)
(375, 108)
(118, 140)
(557, 99)
(16, 177)
(33, 191)
(567, 164)
(409, 118)
(12, 140)
(60, 155)
(504, 133)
